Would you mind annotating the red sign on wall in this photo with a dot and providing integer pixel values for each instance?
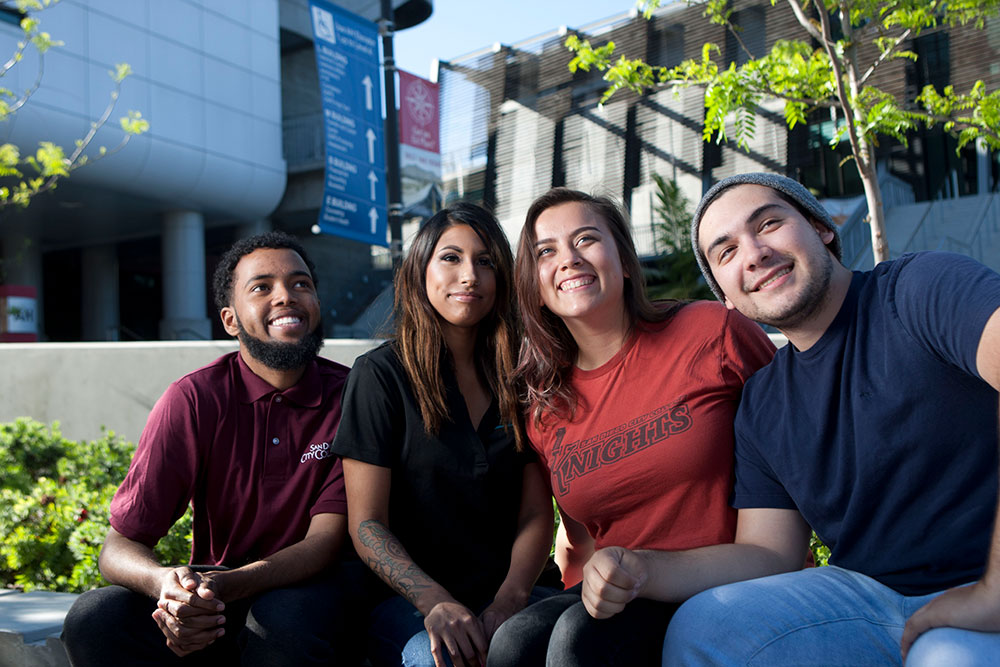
(18, 314)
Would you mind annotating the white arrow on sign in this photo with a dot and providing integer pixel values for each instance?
(373, 216)
(373, 179)
(367, 83)
(370, 135)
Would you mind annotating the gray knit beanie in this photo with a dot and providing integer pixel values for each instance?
(784, 185)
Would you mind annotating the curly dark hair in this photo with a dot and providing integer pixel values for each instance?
(222, 279)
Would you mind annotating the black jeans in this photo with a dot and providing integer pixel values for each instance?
(558, 632)
(317, 622)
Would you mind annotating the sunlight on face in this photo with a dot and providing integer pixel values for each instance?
(580, 274)
(460, 279)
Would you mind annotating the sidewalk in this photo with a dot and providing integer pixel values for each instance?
(30, 624)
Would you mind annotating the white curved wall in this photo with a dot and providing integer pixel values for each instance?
(206, 76)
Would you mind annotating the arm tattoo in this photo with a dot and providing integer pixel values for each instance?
(388, 559)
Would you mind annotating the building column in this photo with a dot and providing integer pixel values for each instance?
(100, 311)
(247, 229)
(21, 264)
(184, 278)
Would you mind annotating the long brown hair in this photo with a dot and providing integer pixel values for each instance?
(549, 350)
(420, 342)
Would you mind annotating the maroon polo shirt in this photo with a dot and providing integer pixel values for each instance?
(254, 462)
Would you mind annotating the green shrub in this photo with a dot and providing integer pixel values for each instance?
(27, 452)
(675, 275)
(820, 552)
(54, 507)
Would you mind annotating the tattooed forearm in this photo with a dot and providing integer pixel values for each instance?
(388, 559)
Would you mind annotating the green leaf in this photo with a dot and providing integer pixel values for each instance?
(50, 160)
(10, 157)
(120, 72)
(134, 123)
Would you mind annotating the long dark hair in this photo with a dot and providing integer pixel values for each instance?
(549, 350)
(418, 333)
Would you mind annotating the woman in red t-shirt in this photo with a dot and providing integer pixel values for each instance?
(630, 405)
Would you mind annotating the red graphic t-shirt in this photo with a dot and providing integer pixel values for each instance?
(647, 461)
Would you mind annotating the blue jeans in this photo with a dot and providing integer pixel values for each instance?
(823, 615)
(398, 636)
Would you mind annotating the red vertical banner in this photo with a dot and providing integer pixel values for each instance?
(418, 113)
(419, 137)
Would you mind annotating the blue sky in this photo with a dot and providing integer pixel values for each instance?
(458, 27)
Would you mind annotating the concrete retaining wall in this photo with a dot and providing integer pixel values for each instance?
(85, 386)
(89, 385)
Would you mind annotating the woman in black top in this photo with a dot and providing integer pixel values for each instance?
(445, 506)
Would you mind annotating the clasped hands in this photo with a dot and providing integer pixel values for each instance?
(189, 611)
(456, 630)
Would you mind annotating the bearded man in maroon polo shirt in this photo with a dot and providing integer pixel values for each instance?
(245, 441)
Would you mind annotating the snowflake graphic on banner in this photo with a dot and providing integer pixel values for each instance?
(419, 103)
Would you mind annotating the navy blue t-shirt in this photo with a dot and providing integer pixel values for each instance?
(882, 434)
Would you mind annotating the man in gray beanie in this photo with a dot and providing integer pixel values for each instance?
(791, 191)
(876, 427)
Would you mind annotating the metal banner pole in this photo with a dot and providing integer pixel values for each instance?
(386, 29)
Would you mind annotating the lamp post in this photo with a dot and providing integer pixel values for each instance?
(394, 185)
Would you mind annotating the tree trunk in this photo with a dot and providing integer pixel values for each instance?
(844, 62)
(876, 211)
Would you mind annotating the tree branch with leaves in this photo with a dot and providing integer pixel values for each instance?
(50, 163)
(834, 75)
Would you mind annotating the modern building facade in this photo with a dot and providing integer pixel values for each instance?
(516, 121)
(123, 249)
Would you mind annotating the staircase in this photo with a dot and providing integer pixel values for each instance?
(966, 225)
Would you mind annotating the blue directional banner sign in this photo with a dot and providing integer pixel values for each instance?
(354, 194)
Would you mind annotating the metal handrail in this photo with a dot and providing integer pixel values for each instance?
(854, 233)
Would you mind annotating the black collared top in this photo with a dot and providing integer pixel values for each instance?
(455, 496)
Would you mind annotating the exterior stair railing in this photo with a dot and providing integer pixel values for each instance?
(855, 233)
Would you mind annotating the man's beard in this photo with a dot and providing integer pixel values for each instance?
(807, 303)
(282, 356)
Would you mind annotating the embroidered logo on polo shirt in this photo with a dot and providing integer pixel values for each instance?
(573, 460)
(317, 452)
